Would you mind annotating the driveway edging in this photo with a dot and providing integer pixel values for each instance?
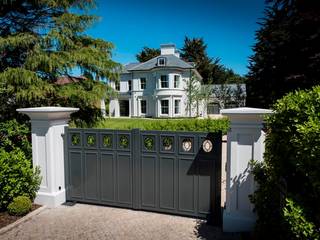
(21, 220)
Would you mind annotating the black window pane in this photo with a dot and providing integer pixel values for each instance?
(164, 81)
(176, 81)
(129, 85)
(164, 106)
(143, 83)
(176, 106)
(143, 106)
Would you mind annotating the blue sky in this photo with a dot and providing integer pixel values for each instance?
(227, 26)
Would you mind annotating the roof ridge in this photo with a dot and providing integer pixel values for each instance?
(143, 63)
(152, 61)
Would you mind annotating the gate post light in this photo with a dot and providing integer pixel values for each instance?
(245, 142)
(47, 127)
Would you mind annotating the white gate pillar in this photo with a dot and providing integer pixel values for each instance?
(47, 126)
(245, 142)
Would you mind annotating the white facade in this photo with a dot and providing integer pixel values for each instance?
(153, 90)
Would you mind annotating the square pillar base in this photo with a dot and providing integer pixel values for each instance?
(237, 222)
(51, 199)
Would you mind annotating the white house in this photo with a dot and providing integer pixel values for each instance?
(156, 88)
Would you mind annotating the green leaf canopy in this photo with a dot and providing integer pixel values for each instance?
(43, 40)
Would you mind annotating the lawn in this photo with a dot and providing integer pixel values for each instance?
(185, 124)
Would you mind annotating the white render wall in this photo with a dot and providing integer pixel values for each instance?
(153, 93)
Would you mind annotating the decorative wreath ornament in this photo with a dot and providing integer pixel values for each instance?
(187, 145)
(207, 145)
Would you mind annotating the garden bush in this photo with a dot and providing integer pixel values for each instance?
(15, 135)
(20, 205)
(287, 199)
(17, 176)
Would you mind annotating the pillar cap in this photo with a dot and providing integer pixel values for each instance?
(48, 113)
(245, 110)
(246, 114)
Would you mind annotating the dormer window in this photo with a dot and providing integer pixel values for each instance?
(161, 61)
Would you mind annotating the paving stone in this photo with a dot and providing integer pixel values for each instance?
(92, 222)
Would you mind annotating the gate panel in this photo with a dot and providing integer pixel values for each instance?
(186, 186)
(124, 178)
(91, 170)
(204, 185)
(148, 180)
(107, 177)
(167, 182)
(76, 168)
(171, 172)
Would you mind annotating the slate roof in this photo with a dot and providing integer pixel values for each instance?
(171, 61)
(63, 80)
(128, 66)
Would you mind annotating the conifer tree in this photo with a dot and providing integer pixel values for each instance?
(147, 54)
(287, 52)
(42, 40)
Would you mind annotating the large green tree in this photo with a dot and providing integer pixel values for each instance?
(287, 52)
(195, 50)
(147, 54)
(42, 40)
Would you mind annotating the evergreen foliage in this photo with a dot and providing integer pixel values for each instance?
(288, 196)
(184, 124)
(17, 176)
(147, 54)
(43, 40)
(20, 206)
(287, 52)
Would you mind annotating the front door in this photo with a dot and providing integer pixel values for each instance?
(124, 108)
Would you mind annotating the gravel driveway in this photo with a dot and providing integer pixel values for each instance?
(83, 221)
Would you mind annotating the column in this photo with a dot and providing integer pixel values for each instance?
(47, 127)
(245, 142)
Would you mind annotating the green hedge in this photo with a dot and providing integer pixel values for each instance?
(288, 198)
(191, 124)
(17, 176)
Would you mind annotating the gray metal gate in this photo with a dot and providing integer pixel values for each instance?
(172, 172)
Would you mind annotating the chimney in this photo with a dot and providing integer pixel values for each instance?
(169, 49)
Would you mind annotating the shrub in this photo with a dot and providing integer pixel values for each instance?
(14, 135)
(190, 124)
(299, 225)
(291, 170)
(20, 206)
(17, 176)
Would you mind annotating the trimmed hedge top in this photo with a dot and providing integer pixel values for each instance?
(185, 124)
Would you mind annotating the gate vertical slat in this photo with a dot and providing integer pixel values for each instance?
(135, 167)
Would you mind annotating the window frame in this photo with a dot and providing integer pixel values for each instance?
(117, 86)
(129, 85)
(143, 83)
(176, 80)
(167, 81)
(161, 59)
(179, 106)
(161, 107)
